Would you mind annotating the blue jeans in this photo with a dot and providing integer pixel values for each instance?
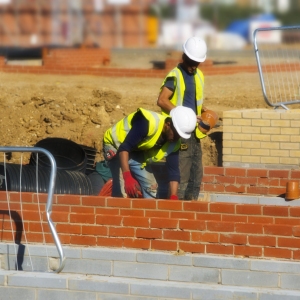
(144, 177)
(191, 170)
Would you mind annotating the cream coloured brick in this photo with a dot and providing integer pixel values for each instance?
(289, 146)
(289, 160)
(231, 158)
(250, 129)
(232, 144)
(260, 152)
(295, 123)
(269, 160)
(227, 151)
(270, 130)
(242, 122)
(280, 138)
(295, 138)
(293, 114)
(279, 153)
(251, 145)
(261, 137)
(240, 151)
(252, 114)
(265, 145)
(271, 115)
(294, 153)
(227, 136)
(280, 123)
(241, 137)
(251, 159)
(233, 129)
(261, 123)
(289, 131)
(232, 114)
(227, 122)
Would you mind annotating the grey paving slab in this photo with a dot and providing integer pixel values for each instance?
(249, 278)
(64, 295)
(234, 198)
(164, 258)
(193, 274)
(221, 262)
(141, 270)
(109, 254)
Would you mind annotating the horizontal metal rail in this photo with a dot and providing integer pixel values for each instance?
(49, 198)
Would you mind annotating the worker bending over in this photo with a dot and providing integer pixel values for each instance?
(141, 138)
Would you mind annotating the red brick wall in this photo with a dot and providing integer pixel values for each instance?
(251, 230)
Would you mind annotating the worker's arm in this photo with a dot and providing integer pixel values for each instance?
(172, 163)
(173, 187)
(163, 100)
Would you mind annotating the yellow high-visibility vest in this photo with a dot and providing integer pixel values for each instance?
(177, 97)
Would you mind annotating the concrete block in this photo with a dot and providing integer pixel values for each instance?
(194, 274)
(249, 278)
(164, 258)
(26, 263)
(221, 262)
(275, 266)
(290, 281)
(65, 295)
(122, 297)
(38, 280)
(99, 284)
(273, 201)
(234, 198)
(16, 293)
(278, 295)
(109, 254)
(160, 289)
(88, 266)
(134, 270)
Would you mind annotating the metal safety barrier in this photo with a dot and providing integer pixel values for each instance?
(277, 51)
(49, 197)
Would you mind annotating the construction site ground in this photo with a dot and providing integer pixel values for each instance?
(82, 107)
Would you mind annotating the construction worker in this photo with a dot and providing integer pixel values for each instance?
(184, 86)
(142, 138)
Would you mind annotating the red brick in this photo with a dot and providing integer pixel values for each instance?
(82, 218)
(61, 208)
(235, 172)
(222, 207)
(192, 224)
(144, 203)
(207, 178)
(94, 230)
(195, 206)
(163, 223)
(296, 231)
(118, 202)
(235, 189)
(34, 237)
(107, 211)
(257, 190)
(257, 173)
(93, 201)
(192, 248)
(109, 220)
(132, 212)
(262, 240)
(296, 254)
(205, 237)
(68, 228)
(234, 218)
(121, 232)
(213, 170)
(219, 188)
(136, 222)
(157, 214)
(287, 221)
(295, 174)
(209, 217)
(169, 205)
(276, 211)
(274, 229)
(237, 239)
(276, 191)
(278, 253)
(249, 228)
(268, 182)
(182, 215)
(137, 243)
(163, 245)
(219, 249)
(294, 211)
(220, 226)
(148, 233)
(110, 242)
(68, 199)
(288, 242)
(246, 180)
(82, 210)
(279, 173)
(247, 251)
(224, 180)
(83, 240)
(248, 209)
(26, 197)
(176, 235)
(263, 220)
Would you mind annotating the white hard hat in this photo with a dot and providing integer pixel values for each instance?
(195, 48)
(184, 120)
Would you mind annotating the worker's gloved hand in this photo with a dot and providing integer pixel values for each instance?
(131, 186)
(173, 197)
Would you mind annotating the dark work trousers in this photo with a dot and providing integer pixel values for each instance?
(191, 169)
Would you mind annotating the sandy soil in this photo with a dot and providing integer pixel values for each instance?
(81, 108)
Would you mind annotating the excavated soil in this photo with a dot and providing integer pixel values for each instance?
(81, 108)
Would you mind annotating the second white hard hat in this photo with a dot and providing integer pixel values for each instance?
(195, 48)
(184, 120)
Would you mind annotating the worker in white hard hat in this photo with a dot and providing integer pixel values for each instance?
(141, 138)
(184, 86)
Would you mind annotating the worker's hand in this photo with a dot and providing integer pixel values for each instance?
(173, 197)
(131, 186)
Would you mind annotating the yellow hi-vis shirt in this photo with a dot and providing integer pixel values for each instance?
(116, 135)
(177, 97)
